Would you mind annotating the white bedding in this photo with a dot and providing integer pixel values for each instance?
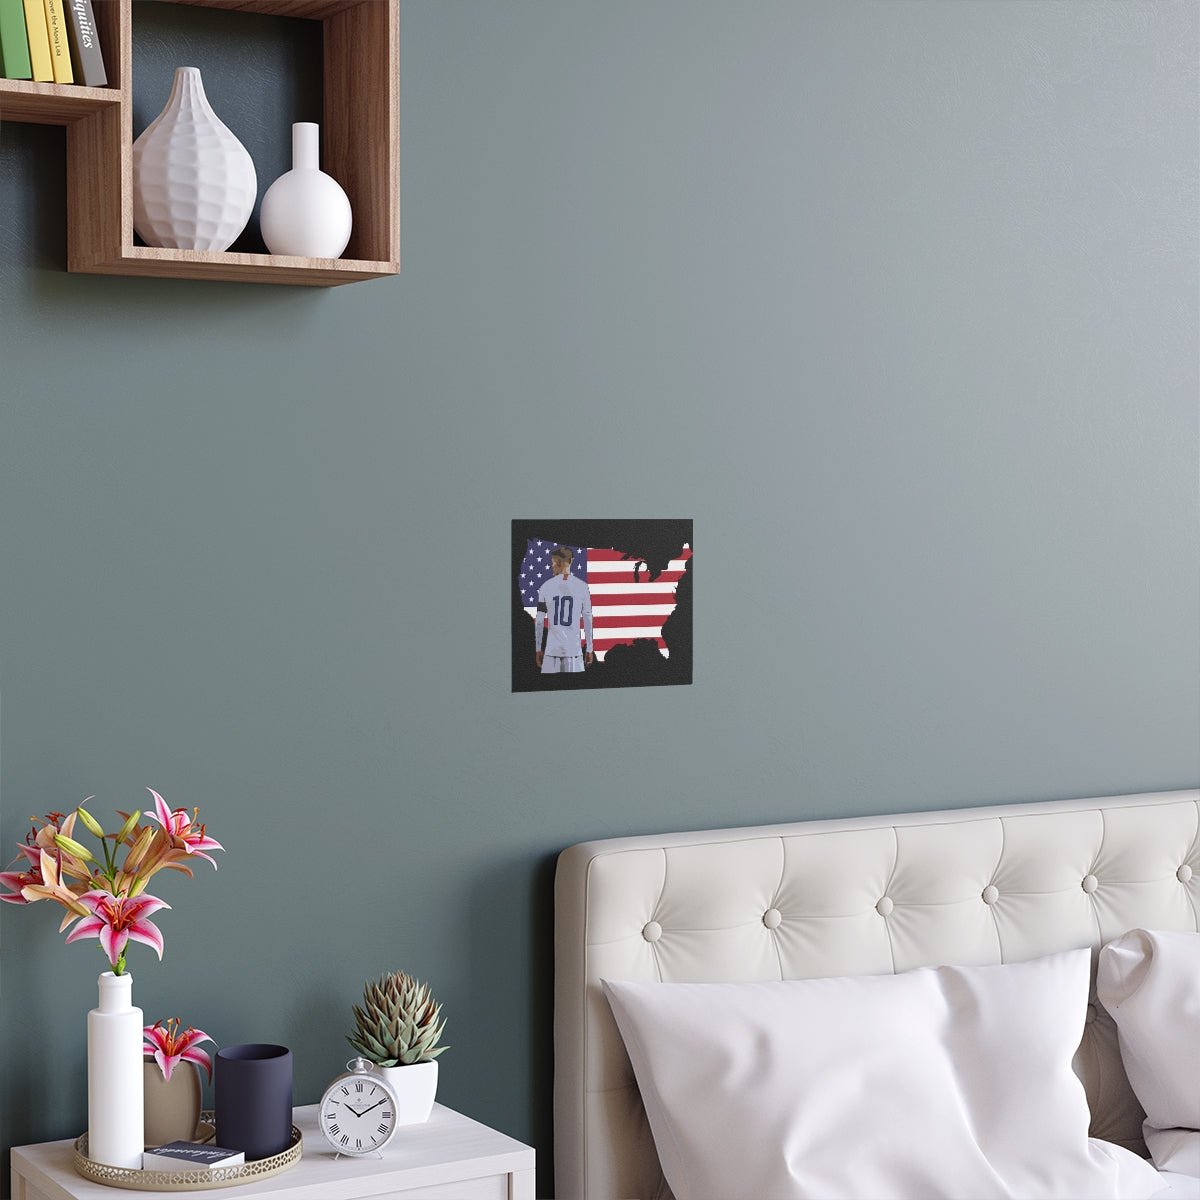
(1149, 981)
(1177, 1187)
(933, 1084)
(871, 896)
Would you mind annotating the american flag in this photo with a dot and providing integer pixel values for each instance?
(626, 603)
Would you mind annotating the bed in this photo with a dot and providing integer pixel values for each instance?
(724, 921)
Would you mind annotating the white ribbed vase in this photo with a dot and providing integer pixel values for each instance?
(305, 211)
(194, 183)
(115, 1089)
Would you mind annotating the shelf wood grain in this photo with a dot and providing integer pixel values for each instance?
(51, 103)
(361, 134)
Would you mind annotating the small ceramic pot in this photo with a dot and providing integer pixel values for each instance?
(172, 1106)
(415, 1087)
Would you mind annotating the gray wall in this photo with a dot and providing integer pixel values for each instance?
(897, 301)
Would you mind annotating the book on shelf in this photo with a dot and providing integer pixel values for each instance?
(39, 41)
(86, 59)
(190, 1156)
(14, 49)
(60, 48)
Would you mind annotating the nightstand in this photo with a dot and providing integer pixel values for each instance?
(449, 1157)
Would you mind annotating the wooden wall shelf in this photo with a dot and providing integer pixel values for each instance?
(360, 133)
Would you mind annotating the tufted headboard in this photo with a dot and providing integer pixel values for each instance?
(860, 896)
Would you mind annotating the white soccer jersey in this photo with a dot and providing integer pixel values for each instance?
(562, 601)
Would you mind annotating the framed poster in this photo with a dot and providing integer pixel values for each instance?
(601, 603)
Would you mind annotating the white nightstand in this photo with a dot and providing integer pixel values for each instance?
(449, 1157)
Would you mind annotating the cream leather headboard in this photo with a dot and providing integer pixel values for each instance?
(861, 896)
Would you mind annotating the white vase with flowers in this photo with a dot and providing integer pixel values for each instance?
(106, 899)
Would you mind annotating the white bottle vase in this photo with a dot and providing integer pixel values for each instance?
(305, 211)
(115, 1088)
(194, 183)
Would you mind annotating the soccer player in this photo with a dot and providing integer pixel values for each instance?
(562, 601)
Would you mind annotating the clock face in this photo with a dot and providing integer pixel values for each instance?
(357, 1115)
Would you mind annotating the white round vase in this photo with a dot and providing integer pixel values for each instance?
(415, 1088)
(305, 211)
(194, 183)
(115, 1089)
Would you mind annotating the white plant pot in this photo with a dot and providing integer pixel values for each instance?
(305, 211)
(415, 1088)
(194, 183)
(115, 1089)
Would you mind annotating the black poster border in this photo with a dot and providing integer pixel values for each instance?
(655, 541)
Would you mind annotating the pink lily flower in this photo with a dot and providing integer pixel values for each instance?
(53, 823)
(105, 899)
(116, 920)
(15, 881)
(39, 842)
(168, 1046)
(43, 882)
(18, 881)
(185, 835)
(51, 887)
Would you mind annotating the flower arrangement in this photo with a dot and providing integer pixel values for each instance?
(397, 1024)
(167, 1046)
(107, 900)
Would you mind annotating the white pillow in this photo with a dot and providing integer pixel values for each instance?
(950, 1082)
(1150, 982)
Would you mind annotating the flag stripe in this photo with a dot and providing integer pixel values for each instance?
(639, 597)
(625, 587)
(629, 566)
(651, 606)
(610, 622)
(615, 634)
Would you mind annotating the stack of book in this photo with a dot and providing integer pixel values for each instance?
(50, 41)
(187, 1156)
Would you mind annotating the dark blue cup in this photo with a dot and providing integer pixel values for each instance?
(252, 1089)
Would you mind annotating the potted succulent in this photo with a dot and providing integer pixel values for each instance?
(397, 1027)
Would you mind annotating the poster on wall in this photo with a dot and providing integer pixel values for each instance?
(601, 603)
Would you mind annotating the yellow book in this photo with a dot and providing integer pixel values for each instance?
(39, 41)
(60, 45)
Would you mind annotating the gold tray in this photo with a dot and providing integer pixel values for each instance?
(187, 1180)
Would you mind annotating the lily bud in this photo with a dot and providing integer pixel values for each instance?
(92, 824)
(73, 848)
(129, 826)
(138, 851)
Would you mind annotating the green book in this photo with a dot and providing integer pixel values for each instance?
(14, 47)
